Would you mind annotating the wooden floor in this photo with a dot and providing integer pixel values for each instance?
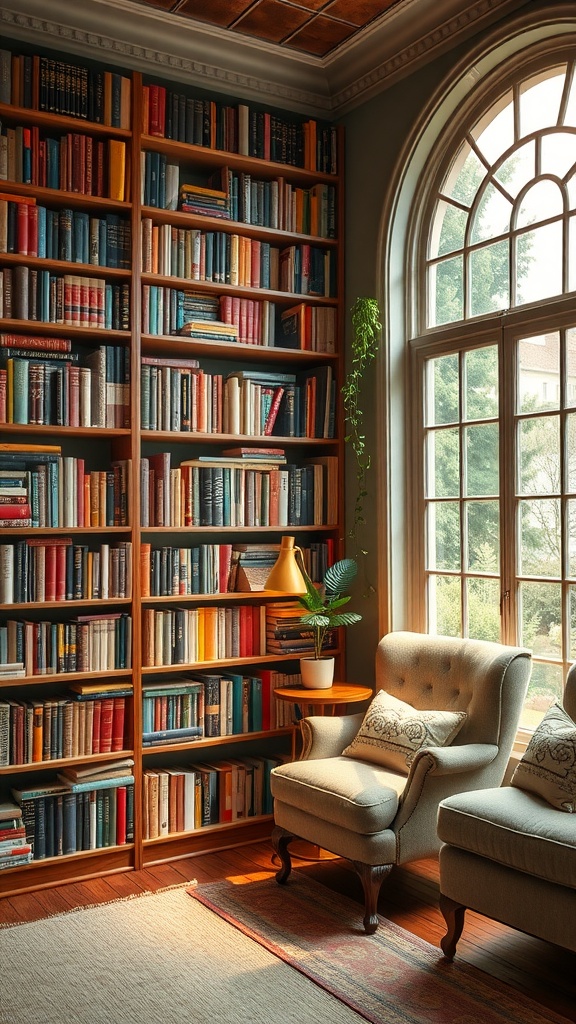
(409, 897)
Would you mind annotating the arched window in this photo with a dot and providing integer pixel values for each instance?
(493, 360)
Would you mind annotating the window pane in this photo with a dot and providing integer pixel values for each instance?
(541, 613)
(464, 176)
(481, 383)
(494, 132)
(539, 372)
(544, 688)
(489, 280)
(570, 344)
(447, 291)
(572, 599)
(483, 536)
(444, 614)
(444, 535)
(483, 603)
(540, 202)
(572, 248)
(571, 517)
(539, 264)
(540, 98)
(518, 169)
(539, 541)
(492, 215)
(443, 462)
(539, 455)
(558, 153)
(481, 453)
(571, 446)
(448, 230)
(442, 391)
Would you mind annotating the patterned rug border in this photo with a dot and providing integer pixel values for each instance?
(467, 970)
(189, 885)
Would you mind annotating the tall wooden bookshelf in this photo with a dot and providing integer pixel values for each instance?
(172, 265)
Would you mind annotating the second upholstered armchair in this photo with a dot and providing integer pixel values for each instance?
(367, 788)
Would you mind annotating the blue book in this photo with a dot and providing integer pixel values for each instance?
(160, 735)
(87, 786)
(42, 218)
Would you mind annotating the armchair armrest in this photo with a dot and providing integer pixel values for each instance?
(451, 760)
(327, 737)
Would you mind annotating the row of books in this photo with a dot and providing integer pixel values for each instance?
(59, 490)
(180, 396)
(59, 87)
(238, 196)
(60, 820)
(239, 128)
(27, 293)
(185, 798)
(185, 636)
(287, 634)
(88, 643)
(15, 850)
(237, 260)
(198, 493)
(45, 387)
(36, 730)
(73, 162)
(280, 205)
(74, 236)
(41, 569)
(217, 568)
(215, 256)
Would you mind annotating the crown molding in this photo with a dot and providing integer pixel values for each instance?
(164, 45)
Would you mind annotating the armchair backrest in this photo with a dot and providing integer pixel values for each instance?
(441, 673)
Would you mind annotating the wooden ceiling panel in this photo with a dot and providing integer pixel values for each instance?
(314, 27)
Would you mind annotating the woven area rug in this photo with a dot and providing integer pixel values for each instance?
(391, 977)
(155, 959)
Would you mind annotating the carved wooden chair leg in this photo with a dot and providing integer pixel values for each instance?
(371, 877)
(454, 917)
(280, 840)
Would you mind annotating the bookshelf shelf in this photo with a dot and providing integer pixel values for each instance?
(107, 448)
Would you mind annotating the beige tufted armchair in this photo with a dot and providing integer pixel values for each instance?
(376, 817)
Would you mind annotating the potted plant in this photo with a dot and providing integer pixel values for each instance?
(324, 611)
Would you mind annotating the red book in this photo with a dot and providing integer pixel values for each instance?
(96, 726)
(267, 686)
(245, 630)
(33, 230)
(60, 572)
(50, 572)
(33, 341)
(22, 229)
(118, 715)
(15, 511)
(273, 412)
(120, 815)
(106, 717)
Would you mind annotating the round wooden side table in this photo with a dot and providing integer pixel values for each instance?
(325, 702)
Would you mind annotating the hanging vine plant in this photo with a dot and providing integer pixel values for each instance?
(366, 336)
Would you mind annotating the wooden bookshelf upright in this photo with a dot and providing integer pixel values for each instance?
(149, 507)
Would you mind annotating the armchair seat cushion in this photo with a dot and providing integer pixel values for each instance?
(355, 795)
(512, 828)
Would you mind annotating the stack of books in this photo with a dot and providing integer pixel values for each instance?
(210, 202)
(14, 847)
(209, 330)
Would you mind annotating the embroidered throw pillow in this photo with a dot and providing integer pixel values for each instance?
(392, 732)
(548, 766)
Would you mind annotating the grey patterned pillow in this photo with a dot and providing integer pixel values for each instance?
(392, 732)
(548, 766)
